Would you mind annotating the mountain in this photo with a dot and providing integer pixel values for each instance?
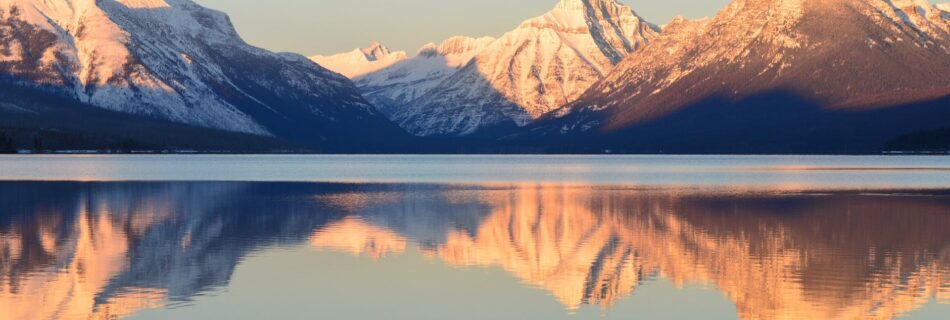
(392, 82)
(546, 62)
(771, 76)
(175, 61)
(360, 62)
(394, 88)
(33, 119)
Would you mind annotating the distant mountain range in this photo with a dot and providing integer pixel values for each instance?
(506, 83)
(589, 76)
(392, 80)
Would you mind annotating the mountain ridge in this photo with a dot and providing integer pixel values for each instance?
(392, 87)
(544, 63)
(177, 61)
(361, 61)
(586, 76)
(849, 56)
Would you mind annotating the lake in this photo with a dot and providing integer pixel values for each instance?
(474, 237)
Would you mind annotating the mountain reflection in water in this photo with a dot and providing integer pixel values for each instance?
(109, 250)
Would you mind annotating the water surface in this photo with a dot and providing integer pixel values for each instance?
(495, 244)
(771, 172)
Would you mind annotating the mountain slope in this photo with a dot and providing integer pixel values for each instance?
(546, 62)
(175, 60)
(773, 76)
(32, 119)
(391, 80)
(392, 89)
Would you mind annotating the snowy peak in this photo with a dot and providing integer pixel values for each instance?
(462, 49)
(839, 53)
(780, 18)
(361, 61)
(97, 36)
(392, 88)
(429, 50)
(920, 9)
(375, 51)
(463, 45)
(912, 6)
(583, 9)
(181, 15)
(364, 62)
(567, 16)
(64, 19)
(927, 25)
(585, 16)
(546, 62)
(172, 60)
(455, 51)
(613, 29)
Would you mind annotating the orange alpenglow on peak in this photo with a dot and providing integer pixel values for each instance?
(543, 64)
(361, 61)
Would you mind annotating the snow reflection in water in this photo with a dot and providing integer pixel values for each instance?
(106, 250)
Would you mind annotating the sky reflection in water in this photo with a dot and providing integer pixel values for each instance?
(781, 173)
(297, 250)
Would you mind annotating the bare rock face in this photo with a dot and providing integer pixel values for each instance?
(175, 60)
(827, 58)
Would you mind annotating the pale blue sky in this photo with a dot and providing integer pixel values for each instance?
(330, 26)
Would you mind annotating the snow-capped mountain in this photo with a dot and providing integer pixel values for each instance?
(546, 62)
(394, 88)
(391, 83)
(783, 71)
(360, 62)
(177, 61)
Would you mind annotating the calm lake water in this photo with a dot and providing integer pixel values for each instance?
(474, 237)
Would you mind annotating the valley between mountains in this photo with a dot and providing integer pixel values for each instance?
(588, 76)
